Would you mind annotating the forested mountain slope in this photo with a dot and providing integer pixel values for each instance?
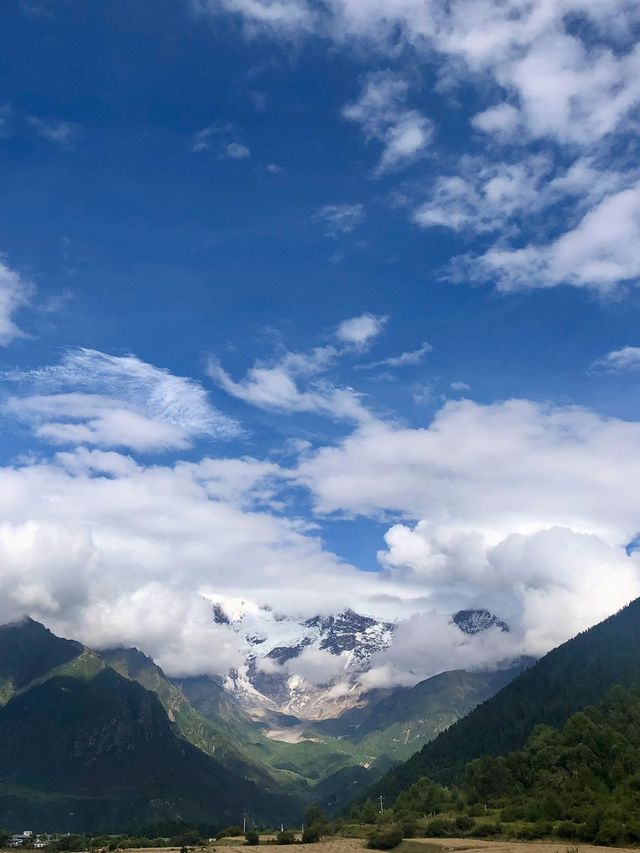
(576, 674)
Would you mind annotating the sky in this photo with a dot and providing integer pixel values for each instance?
(319, 305)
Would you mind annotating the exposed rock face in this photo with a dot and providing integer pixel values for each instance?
(475, 621)
(272, 642)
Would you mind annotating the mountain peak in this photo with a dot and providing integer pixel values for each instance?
(474, 621)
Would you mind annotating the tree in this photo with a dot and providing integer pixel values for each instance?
(314, 815)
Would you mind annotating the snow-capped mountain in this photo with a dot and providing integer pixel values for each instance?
(310, 668)
(475, 621)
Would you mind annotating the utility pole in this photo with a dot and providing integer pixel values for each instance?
(381, 804)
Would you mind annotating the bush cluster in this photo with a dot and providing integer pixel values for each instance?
(385, 837)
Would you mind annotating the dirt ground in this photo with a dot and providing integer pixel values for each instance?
(471, 845)
(414, 845)
(446, 845)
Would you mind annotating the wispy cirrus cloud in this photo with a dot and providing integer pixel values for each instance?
(405, 359)
(293, 383)
(297, 381)
(93, 398)
(340, 219)
(56, 131)
(221, 139)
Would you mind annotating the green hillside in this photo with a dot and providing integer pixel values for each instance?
(580, 784)
(101, 754)
(578, 673)
(29, 651)
(400, 723)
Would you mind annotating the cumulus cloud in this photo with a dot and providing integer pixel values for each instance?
(570, 91)
(601, 253)
(520, 507)
(382, 112)
(15, 293)
(502, 120)
(627, 358)
(359, 331)
(92, 398)
(563, 83)
(510, 466)
(485, 196)
(105, 549)
(548, 585)
(515, 506)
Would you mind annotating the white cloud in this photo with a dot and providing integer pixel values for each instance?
(602, 252)
(410, 357)
(566, 84)
(112, 552)
(316, 666)
(341, 218)
(627, 358)
(502, 120)
(572, 90)
(15, 293)
(382, 112)
(515, 466)
(459, 386)
(115, 401)
(61, 133)
(286, 18)
(359, 331)
(236, 151)
(292, 384)
(221, 138)
(548, 586)
(485, 196)
(520, 507)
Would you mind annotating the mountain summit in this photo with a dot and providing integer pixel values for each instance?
(294, 665)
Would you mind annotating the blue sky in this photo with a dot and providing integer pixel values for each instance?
(215, 190)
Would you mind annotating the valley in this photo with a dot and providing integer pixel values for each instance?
(106, 740)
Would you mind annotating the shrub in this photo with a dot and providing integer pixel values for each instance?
(385, 838)
(229, 832)
(252, 838)
(486, 830)
(567, 829)
(463, 823)
(408, 826)
(286, 837)
(611, 832)
(312, 834)
(440, 828)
